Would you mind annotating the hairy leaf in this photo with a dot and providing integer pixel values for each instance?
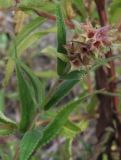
(62, 67)
(50, 131)
(36, 83)
(29, 143)
(22, 36)
(60, 92)
(27, 103)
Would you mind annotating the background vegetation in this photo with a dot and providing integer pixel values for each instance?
(60, 79)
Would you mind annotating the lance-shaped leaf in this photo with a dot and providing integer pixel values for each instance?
(22, 36)
(49, 132)
(62, 67)
(62, 90)
(75, 75)
(36, 84)
(29, 143)
(4, 119)
(27, 103)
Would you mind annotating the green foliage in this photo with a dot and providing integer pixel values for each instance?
(19, 39)
(62, 90)
(34, 81)
(29, 143)
(2, 100)
(27, 103)
(115, 11)
(6, 4)
(39, 120)
(49, 132)
(7, 126)
(36, 5)
(62, 67)
(4, 119)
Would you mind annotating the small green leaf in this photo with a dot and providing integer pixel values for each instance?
(62, 67)
(46, 74)
(7, 126)
(8, 71)
(61, 91)
(27, 104)
(92, 105)
(4, 119)
(75, 75)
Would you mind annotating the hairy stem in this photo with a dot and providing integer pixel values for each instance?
(107, 105)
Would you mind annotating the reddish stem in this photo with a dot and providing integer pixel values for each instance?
(105, 78)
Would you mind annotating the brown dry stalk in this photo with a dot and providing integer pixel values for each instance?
(108, 106)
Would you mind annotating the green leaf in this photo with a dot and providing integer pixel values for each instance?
(50, 131)
(44, 5)
(51, 52)
(75, 75)
(27, 104)
(92, 105)
(70, 130)
(20, 38)
(72, 126)
(6, 129)
(81, 11)
(5, 4)
(7, 126)
(29, 143)
(79, 74)
(35, 82)
(2, 100)
(115, 10)
(62, 90)
(8, 71)
(6, 120)
(62, 67)
(46, 74)
(68, 149)
(67, 85)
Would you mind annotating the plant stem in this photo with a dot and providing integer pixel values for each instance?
(108, 106)
(53, 18)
